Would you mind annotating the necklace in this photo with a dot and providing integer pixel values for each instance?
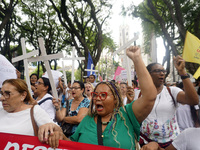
(105, 123)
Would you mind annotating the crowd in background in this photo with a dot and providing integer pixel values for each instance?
(151, 111)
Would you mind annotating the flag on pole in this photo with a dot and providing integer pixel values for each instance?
(100, 78)
(90, 61)
(118, 71)
(191, 51)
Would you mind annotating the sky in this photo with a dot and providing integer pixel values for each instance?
(134, 26)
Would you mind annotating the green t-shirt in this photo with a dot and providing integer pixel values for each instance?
(87, 130)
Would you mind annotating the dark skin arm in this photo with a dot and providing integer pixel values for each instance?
(189, 95)
(143, 106)
(155, 146)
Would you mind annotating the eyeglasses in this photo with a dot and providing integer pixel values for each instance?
(75, 88)
(6, 94)
(101, 95)
(39, 83)
(158, 71)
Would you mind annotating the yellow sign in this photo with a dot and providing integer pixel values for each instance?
(191, 51)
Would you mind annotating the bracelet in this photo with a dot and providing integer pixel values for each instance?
(185, 76)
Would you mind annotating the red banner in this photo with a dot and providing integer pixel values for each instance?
(23, 142)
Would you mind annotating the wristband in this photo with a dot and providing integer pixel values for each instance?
(185, 76)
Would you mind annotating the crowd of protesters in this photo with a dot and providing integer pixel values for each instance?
(150, 113)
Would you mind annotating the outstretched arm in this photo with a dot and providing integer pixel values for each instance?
(143, 106)
(189, 95)
(51, 133)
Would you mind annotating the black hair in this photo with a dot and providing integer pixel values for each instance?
(194, 115)
(123, 83)
(93, 75)
(113, 80)
(82, 87)
(47, 83)
(135, 83)
(149, 67)
(34, 74)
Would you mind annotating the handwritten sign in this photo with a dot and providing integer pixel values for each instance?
(124, 77)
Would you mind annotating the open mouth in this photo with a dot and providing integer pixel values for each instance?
(161, 79)
(99, 107)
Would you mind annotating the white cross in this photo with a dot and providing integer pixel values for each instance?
(44, 57)
(73, 58)
(91, 69)
(24, 57)
(127, 60)
(63, 69)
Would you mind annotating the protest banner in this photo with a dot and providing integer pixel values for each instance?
(23, 142)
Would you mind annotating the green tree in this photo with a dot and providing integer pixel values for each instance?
(77, 74)
(170, 19)
(41, 22)
(6, 38)
(84, 21)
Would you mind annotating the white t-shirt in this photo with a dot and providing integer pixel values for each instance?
(125, 100)
(161, 124)
(20, 122)
(48, 106)
(188, 139)
(184, 116)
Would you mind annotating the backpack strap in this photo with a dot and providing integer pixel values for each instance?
(171, 96)
(35, 127)
(169, 93)
(48, 98)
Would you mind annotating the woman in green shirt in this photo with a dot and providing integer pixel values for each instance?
(108, 122)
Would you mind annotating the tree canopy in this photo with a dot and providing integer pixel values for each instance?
(62, 24)
(169, 19)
